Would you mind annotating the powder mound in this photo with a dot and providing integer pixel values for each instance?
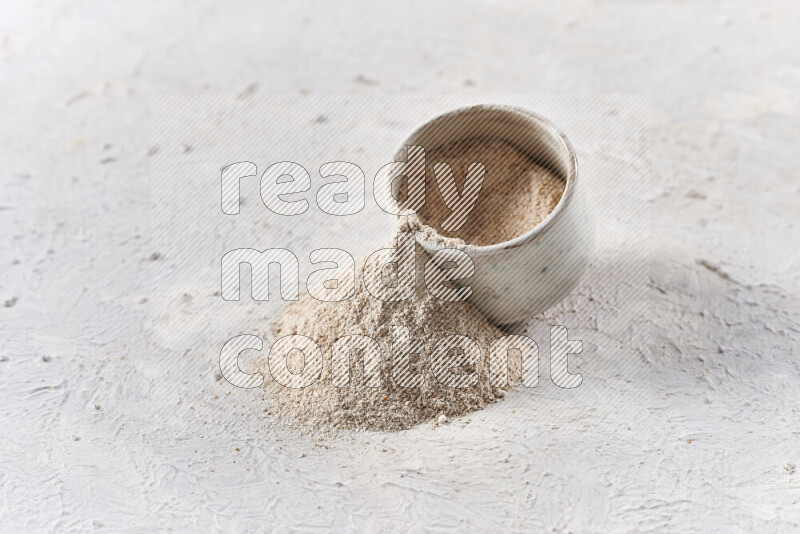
(388, 406)
(517, 193)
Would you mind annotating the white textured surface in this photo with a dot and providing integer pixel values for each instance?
(688, 416)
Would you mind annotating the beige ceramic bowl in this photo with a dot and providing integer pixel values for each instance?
(519, 278)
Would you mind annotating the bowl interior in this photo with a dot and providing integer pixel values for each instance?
(529, 133)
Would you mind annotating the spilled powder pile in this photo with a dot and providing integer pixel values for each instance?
(389, 406)
(517, 193)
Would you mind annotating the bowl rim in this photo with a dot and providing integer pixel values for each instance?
(569, 188)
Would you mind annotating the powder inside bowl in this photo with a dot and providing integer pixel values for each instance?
(517, 193)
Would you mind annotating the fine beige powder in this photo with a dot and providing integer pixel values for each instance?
(517, 194)
(389, 406)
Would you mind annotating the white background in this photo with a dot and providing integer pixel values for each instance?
(687, 420)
